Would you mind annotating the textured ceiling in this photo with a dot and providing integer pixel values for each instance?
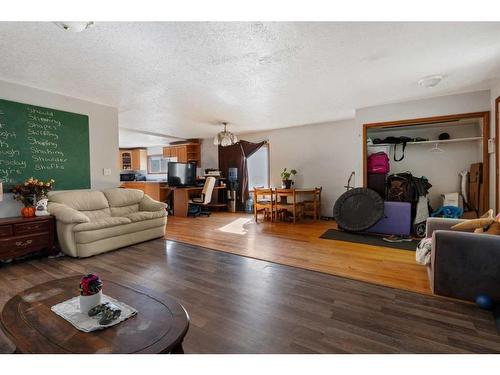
(181, 79)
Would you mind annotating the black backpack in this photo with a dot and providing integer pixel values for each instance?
(400, 188)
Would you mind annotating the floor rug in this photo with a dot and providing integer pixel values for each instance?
(367, 239)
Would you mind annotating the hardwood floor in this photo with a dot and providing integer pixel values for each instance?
(300, 245)
(243, 305)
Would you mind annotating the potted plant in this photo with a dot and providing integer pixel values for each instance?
(29, 192)
(90, 292)
(285, 178)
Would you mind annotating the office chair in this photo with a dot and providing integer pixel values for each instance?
(204, 200)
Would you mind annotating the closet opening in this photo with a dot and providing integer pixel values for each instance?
(451, 152)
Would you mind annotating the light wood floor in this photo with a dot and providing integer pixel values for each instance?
(300, 245)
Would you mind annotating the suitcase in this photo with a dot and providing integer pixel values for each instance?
(396, 220)
(376, 181)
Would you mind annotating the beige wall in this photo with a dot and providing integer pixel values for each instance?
(322, 154)
(325, 154)
(103, 133)
(439, 106)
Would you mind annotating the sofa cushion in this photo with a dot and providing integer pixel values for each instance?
(125, 210)
(80, 200)
(105, 222)
(89, 236)
(146, 215)
(118, 197)
(97, 214)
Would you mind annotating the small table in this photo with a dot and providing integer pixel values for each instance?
(159, 326)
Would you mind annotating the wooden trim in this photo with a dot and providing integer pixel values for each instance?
(497, 204)
(484, 116)
(268, 163)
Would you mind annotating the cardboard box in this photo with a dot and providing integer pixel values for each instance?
(476, 172)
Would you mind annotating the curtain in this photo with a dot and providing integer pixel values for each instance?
(235, 156)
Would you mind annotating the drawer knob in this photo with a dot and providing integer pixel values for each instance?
(24, 243)
(31, 227)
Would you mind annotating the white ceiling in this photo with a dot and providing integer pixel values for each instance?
(181, 79)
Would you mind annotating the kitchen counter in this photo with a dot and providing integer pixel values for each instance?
(151, 188)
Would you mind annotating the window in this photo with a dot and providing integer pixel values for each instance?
(157, 164)
(258, 168)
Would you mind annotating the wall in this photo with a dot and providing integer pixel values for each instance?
(495, 93)
(439, 106)
(322, 154)
(103, 133)
(209, 154)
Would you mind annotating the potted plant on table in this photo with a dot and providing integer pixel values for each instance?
(29, 192)
(90, 292)
(285, 178)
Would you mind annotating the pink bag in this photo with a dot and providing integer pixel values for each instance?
(378, 163)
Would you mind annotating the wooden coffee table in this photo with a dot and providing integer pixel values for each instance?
(159, 326)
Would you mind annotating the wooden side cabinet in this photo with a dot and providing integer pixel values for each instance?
(20, 236)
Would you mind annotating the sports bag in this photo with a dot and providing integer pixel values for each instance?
(378, 163)
(400, 188)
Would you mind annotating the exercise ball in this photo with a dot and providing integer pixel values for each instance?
(484, 302)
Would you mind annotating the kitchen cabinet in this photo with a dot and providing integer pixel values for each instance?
(185, 153)
(133, 159)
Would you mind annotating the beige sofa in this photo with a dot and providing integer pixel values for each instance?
(93, 222)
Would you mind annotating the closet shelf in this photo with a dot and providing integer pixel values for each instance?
(432, 142)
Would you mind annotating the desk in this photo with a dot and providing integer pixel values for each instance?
(181, 196)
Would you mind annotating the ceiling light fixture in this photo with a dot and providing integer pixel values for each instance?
(75, 26)
(430, 81)
(225, 138)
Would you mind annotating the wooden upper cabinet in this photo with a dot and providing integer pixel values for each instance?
(133, 160)
(125, 160)
(182, 154)
(185, 153)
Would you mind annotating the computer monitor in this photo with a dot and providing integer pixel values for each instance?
(181, 174)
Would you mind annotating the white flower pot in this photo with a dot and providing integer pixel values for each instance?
(88, 302)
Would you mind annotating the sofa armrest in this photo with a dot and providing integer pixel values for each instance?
(465, 264)
(439, 223)
(66, 214)
(149, 204)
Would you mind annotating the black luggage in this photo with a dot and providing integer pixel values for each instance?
(376, 181)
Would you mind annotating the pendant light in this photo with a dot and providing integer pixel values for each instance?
(225, 138)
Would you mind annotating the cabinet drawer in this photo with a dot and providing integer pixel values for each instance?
(5, 230)
(17, 246)
(31, 227)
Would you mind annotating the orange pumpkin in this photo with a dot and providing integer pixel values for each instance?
(28, 211)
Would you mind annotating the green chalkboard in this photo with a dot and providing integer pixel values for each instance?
(43, 143)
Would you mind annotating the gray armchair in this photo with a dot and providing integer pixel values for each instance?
(463, 264)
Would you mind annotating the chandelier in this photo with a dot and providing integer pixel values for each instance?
(225, 138)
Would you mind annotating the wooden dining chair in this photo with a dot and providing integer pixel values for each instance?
(284, 206)
(313, 207)
(264, 200)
